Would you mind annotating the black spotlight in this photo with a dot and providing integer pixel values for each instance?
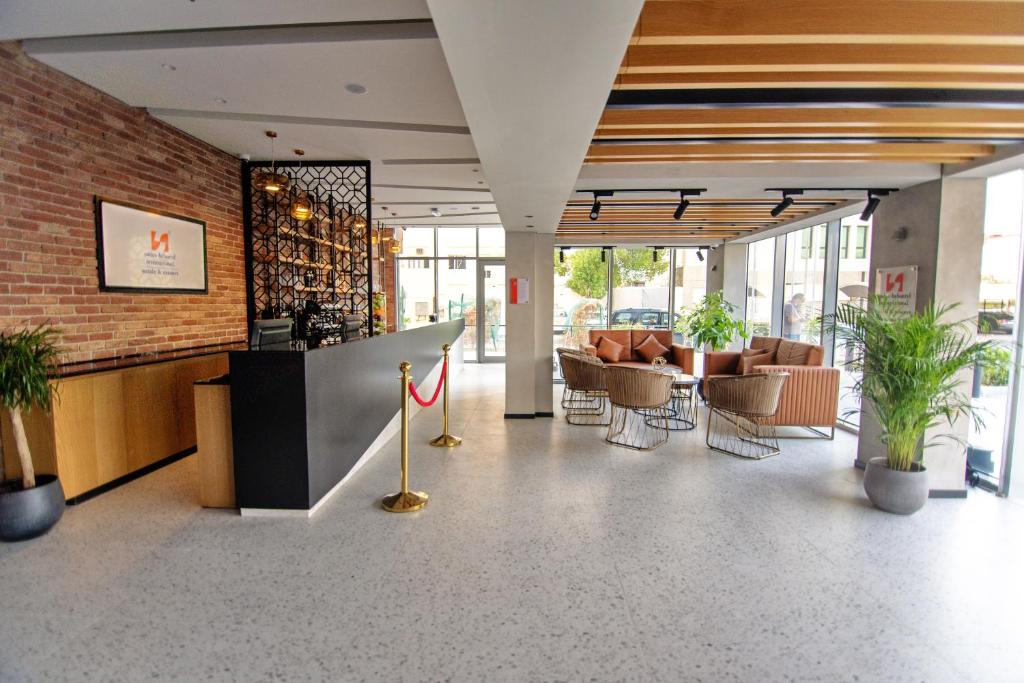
(700, 256)
(595, 210)
(786, 202)
(604, 253)
(654, 255)
(561, 255)
(869, 210)
(681, 209)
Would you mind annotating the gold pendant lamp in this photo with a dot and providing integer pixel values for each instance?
(272, 182)
(301, 207)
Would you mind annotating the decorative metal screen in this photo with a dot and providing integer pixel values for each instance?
(316, 270)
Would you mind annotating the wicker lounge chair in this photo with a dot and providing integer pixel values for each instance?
(640, 412)
(584, 396)
(741, 414)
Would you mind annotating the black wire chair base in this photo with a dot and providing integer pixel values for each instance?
(630, 427)
(733, 434)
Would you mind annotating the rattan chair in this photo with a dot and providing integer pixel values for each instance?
(640, 409)
(739, 412)
(584, 397)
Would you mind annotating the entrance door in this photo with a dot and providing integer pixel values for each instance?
(491, 310)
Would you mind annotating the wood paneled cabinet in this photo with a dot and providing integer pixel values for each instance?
(108, 424)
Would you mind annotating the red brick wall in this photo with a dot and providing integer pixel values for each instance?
(61, 143)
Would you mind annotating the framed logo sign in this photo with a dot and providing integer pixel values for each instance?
(141, 250)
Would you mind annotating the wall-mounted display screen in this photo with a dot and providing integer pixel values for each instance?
(140, 250)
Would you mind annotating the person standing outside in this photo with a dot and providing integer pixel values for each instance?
(792, 317)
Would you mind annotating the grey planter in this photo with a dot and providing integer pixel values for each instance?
(31, 513)
(902, 493)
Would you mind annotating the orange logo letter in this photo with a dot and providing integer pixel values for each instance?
(155, 243)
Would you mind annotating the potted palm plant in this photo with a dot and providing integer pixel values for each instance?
(30, 505)
(711, 322)
(909, 367)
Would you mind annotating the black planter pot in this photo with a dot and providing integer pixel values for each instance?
(31, 513)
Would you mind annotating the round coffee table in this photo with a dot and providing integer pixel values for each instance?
(683, 406)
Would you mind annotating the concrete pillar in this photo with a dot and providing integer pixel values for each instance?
(939, 227)
(529, 338)
(727, 272)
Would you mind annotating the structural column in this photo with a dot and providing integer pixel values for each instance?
(939, 227)
(529, 346)
(727, 273)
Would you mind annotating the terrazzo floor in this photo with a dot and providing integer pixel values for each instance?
(543, 555)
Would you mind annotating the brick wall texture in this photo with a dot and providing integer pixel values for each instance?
(63, 142)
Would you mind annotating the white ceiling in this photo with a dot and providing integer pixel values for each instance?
(409, 122)
(42, 18)
(533, 78)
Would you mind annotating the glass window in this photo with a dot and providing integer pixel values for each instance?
(456, 241)
(852, 284)
(415, 292)
(862, 241)
(492, 241)
(997, 319)
(760, 283)
(640, 288)
(804, 285)
(690, 282)
(580, 296)
(417, 242)
(456, 296)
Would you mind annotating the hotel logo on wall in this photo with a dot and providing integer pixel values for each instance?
(142, 250)
(899, 285)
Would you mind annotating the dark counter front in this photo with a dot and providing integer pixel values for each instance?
(302, 419)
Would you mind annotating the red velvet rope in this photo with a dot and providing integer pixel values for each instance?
(437, 391)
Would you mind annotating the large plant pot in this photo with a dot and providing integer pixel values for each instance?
(25, 514)
(902, 493)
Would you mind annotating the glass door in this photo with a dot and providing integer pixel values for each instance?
(491, 309)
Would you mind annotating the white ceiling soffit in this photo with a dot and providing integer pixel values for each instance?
(533, 77)
(21, 19)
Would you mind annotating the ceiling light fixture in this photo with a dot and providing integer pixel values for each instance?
(604, 254)
(595, 210)
(681, 209)
(787, 201)
(654, 255)
(355, 88)
(700, 256)
(301, 208)
(874, 199)
(435, 212)
(272, 182)
(561, 255)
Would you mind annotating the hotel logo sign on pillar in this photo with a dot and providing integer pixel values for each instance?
(899, 285)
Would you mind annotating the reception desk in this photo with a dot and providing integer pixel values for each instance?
(116, 418)
(302, 420)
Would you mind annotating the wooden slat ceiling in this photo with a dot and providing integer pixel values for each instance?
(712, 219)
(681, 50)
(808, 81)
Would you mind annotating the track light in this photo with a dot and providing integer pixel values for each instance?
(604, 255)
(435, 212)
(595, 210)
(654, 255)
(561, 255)
(700, 256)
(786, 202)
(681, 209)
(869, 210)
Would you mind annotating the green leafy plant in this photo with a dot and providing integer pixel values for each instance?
(588, 274)
(27, 358)
(909, 367)
(996, 372)
(711, 322)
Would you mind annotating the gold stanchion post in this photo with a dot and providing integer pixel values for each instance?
(405, 500)
(446, 439)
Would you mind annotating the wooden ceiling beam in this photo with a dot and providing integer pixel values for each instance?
(812, 79)
(817, 131)
(824, 57)
(771, 160)
(740, 149)
(788, 21)
(961, 117)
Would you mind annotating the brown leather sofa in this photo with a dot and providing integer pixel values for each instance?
(678, 356)
(810, 398)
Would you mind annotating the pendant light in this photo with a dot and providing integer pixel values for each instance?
(301, 208)
(272, 182)
(355, 221)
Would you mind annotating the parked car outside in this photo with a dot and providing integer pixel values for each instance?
(995, 322)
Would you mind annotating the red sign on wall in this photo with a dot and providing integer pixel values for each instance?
(899, 285)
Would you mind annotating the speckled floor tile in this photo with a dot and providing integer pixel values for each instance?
(545, 554)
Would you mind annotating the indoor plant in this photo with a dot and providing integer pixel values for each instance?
(31, 505)
(909, 367)
(711, 323)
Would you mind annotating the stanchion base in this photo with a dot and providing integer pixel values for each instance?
(446, 440)
(404, 502)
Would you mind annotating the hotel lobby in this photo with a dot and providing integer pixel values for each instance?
(451, 340)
